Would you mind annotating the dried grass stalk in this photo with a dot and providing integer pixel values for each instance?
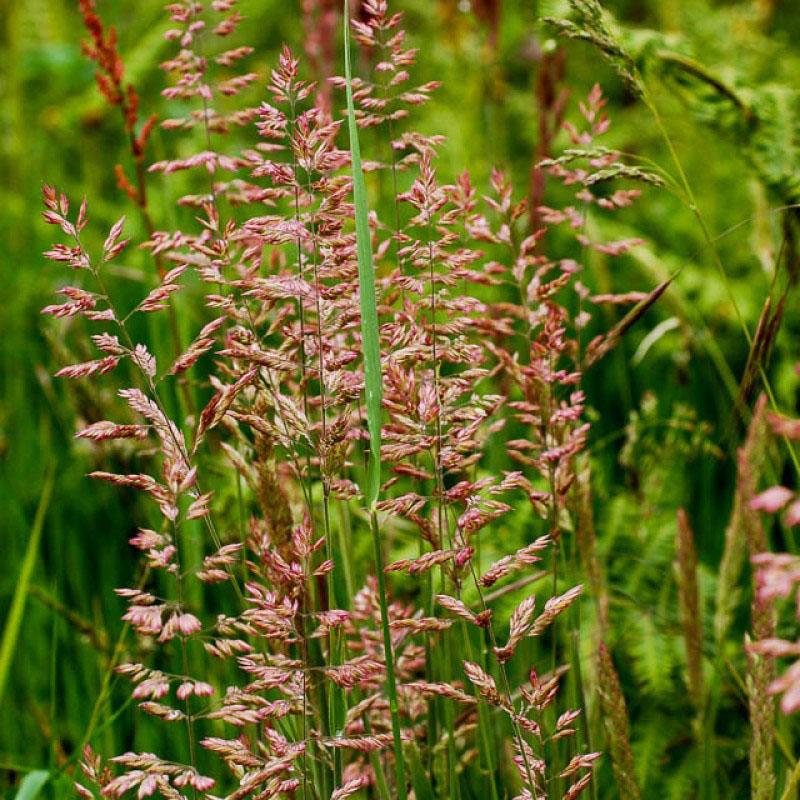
(745, 524)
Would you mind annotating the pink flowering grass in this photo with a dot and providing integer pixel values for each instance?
(344, 407)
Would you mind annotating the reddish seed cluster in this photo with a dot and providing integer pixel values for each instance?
(102, 48)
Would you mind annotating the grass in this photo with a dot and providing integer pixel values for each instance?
(67, 542)
(373, 379)
(14, 621)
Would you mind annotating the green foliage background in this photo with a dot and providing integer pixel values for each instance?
(662, 432)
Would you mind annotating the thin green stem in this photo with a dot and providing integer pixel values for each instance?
(487, 739)
(695, 209)
(13, 625)
(391, 681)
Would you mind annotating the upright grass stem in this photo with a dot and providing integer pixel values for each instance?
(372, 379)
(452, 779)
(337, 702)
(13, 624)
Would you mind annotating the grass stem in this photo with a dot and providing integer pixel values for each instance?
(372, 378)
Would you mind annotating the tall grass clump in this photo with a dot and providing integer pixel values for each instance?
(341, 594)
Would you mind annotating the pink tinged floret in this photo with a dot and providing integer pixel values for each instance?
(145, 619)
(463, 556)
(788, 685)
(147, 787)
(350, 788)
(772, 499)
(776, 574)
(85, 793)
(99, 366)
(783, 426)
(184, 690)
(792, 516)
(112, 246)
(101, 431)
(188, 624)
(83, 302)
(154, 687)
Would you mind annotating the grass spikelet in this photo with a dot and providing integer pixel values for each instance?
(758, 356)
(761, 705)
(602, 346)
(691, 619)
(615, 717)
(587, 543)
(271, 495)
(745, 525)
(591, 24)
(760, 668)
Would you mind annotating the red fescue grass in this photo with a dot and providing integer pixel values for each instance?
(337, 681)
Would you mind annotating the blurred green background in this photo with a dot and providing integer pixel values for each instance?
(676, 448)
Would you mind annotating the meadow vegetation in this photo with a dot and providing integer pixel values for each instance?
(404, 404)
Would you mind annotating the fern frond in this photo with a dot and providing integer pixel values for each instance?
(653, 654)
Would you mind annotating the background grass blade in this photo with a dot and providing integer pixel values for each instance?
(13, 624)
(32, 784)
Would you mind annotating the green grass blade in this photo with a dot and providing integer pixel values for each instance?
(32, 784)
(366, 286)
(13, 624)
(423, 789)
(373, 383)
